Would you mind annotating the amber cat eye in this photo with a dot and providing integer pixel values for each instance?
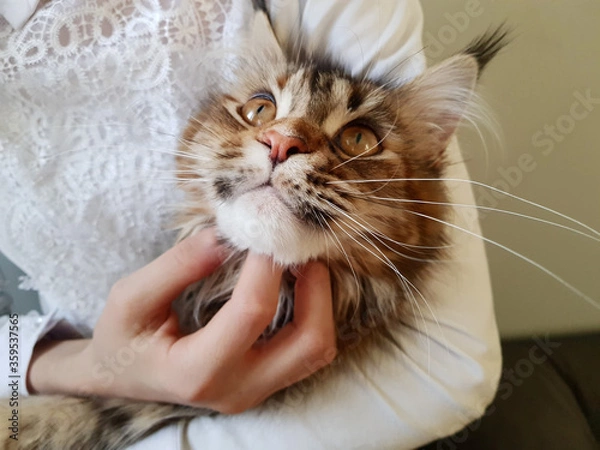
(359, 140)
(259, 110)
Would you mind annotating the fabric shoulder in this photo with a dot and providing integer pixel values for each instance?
(17, 12)
(376, 39)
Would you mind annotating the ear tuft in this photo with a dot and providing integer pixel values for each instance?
(486, 47)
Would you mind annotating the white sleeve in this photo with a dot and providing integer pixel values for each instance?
(18, 336)
(449, 366)
(17, 12)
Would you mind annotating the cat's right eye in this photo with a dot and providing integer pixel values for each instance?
(259, 110)
(359, 140)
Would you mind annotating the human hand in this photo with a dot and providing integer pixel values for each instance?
(221, 366)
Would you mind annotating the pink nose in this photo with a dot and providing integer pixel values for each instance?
(282, 147)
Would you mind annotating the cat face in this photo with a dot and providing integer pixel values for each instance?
(294, 158)
(278, 162)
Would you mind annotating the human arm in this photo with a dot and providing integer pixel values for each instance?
(26, 330)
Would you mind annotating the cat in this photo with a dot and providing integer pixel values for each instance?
(278, 153)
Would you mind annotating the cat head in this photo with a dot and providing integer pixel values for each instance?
(293, 158)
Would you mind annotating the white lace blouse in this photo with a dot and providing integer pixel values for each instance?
(92, 97)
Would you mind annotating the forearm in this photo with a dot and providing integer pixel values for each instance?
(72, 367)
(62, 367)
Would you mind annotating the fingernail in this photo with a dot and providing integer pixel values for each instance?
(304, 270)
(220, 246)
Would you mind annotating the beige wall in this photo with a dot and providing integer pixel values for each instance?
(552, 63)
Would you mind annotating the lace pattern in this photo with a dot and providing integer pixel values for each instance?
(94, 94)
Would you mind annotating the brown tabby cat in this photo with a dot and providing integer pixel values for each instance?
(278, 153)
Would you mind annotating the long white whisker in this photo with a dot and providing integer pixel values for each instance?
(384, 259)
(486, 208)
(343, 251)
(377, 232)
(182, 154)
(373, 231)
(476, 183)
(566, 284)
(405, 283)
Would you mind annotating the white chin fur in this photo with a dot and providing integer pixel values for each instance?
(259, 221)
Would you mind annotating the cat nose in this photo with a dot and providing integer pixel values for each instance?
(282, 147)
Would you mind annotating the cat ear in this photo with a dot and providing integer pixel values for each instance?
(437, 100)
(262, 35)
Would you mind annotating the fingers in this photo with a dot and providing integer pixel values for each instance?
(223, 368)
(314, 308)
(158, 284)
(241, 321)
(301, 348)
(309, 342)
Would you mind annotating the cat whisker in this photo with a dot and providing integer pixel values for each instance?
(347, 191)
(46, 158)
(340, 246)
(486, 208)
(383, 259)
(108, 125)
(475, 183)
(355, 277)
(204, 128)
(392, 72)
(205, 148)
(178, 180)
(380, 236)
(370, 230)
(176, 171)
(548, 272)
(364, 236)
(323, 223)
(404, 282)
(377, 232)
(212, 150)
(478, 116)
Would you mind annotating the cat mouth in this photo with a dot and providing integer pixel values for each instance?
(269, 192)
(268, 188)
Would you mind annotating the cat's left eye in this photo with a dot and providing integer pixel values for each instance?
(259, 110)
(359, 140)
